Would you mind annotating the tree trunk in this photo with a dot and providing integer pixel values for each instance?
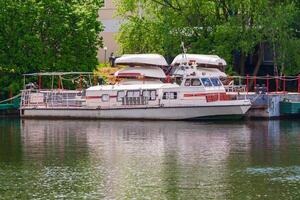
(275, 61)
(242, 63)
(259, 61)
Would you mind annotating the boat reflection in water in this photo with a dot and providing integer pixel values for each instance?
(151, 160)
(146, 159)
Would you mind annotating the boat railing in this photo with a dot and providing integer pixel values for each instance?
(52, 98)
(235, 88)
(263, 84)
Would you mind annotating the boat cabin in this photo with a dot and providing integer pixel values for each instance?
(142, 84)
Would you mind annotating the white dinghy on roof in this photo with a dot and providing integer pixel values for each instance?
(141, 71)
(141, 60)
(199, 59)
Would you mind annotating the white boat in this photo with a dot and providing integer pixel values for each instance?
(207, 61)
(141, 94)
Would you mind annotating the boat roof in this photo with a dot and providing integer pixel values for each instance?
(141, 59)
(198, 59)
(149, 71)
(133, 86)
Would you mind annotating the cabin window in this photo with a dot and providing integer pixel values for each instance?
(195, 82)
(173, 95)
(216, 82)
(105, 97)
(146, 93)
(166, 95)
(206, 82)
(187, 82)
(120, 95)
(133, 93)
(150, 94)
(170, 95)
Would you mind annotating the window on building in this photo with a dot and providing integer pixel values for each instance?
(206, 82)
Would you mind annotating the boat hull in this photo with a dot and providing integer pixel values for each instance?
(151, 113)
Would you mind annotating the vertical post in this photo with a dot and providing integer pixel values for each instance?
(168, 78)
(105, 51)
(24, 82)
(268, 83)
(40, 82)
(10, 94)
(95, 80)
(59, 83)
(80, 82)
(299, 83)
(247, 83)
(52, 83)
(277, 85)
(254, 83)
(284, 83)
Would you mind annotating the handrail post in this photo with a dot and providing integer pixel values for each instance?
(80, 83)
(277, 85)
(95, 80)
(254, 83)
(267, 83)
(247, 83)
(40, 82)
(284, 83)
(59, 83)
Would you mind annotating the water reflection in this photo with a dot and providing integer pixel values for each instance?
(148, 160)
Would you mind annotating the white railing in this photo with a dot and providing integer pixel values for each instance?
(51, 98)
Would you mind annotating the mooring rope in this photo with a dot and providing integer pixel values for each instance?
(10, 99)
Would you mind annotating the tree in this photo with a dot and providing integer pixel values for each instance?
(220, 27)
(49, 35)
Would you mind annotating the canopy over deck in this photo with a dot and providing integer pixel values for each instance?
(58, 73)
(141, 60)
(202, 60)
(133, 72)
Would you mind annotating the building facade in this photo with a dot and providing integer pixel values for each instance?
(111, 27)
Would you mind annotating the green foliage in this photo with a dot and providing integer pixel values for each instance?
(49, 35)
(211, 27)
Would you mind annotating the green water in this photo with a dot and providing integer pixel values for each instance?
(149, 160)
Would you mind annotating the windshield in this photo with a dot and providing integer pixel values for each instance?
(206, 82)
(216, 81)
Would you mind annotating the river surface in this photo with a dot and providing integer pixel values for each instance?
(41, 159)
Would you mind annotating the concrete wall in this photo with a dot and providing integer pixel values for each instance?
(111, 24)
